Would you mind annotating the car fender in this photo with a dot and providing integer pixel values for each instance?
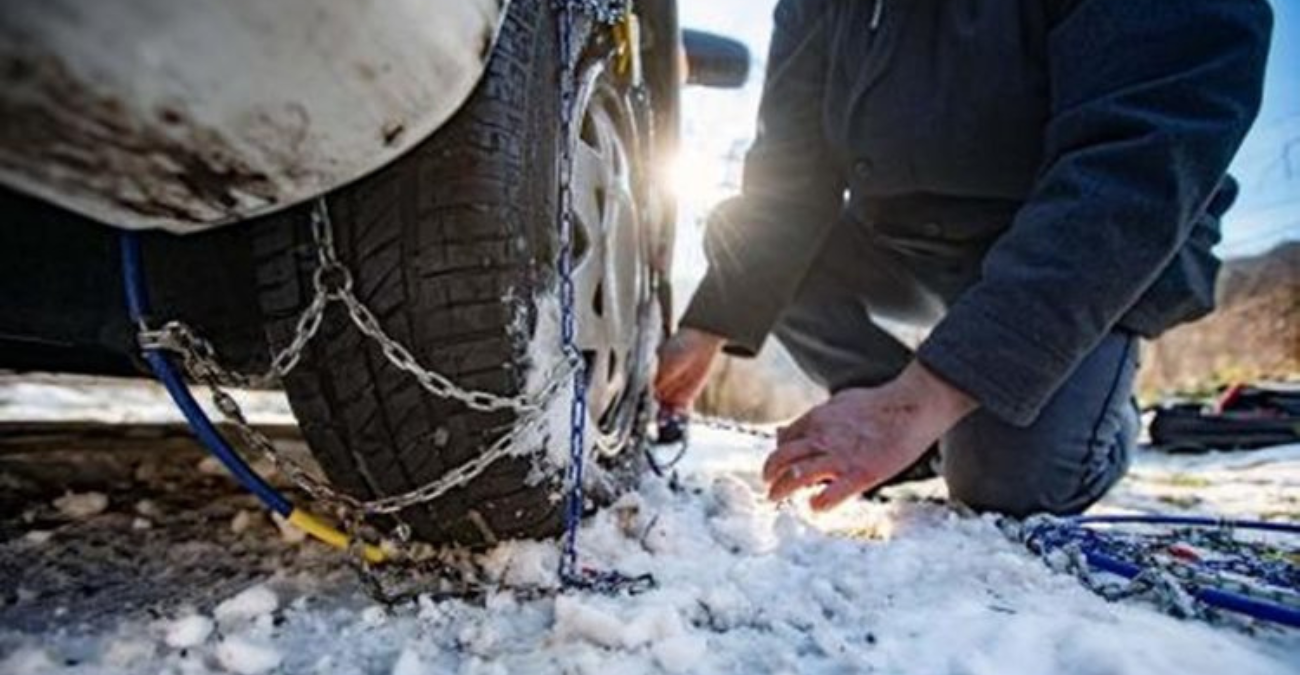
(189, 115)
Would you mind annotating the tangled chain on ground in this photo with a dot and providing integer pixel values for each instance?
(1173, 564)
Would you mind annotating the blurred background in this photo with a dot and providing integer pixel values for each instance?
(1255, 334)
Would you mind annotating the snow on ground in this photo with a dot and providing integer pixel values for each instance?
(744, 586)
(95, 399)
(1260, 484)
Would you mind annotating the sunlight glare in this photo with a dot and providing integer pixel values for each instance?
(699, 180)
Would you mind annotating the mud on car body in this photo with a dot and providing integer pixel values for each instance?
(430, 131)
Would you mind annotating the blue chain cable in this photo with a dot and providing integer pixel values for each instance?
(568, 323)
(137, 303)
(570, 574)
(138, 308)
(1127, 555)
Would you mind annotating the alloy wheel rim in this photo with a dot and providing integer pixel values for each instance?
(611, 272)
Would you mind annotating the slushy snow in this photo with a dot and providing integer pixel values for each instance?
(743, 586)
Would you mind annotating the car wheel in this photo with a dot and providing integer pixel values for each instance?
(453, 248)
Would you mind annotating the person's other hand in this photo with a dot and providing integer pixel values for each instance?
(863, 437)
(684, 362)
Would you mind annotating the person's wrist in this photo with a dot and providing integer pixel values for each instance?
(949, 402)
(704, 338)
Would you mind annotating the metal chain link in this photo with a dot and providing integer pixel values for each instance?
(200, 363)
(573, 504)
(1154, 583)
(397, 354)
(333, 282)
(674, 434)
(735, 426)
(608, 12)
(1235, 566)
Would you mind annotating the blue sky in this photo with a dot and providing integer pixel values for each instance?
(1268, 165)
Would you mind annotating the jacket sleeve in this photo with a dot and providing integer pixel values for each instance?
(1150, 100)
(760, 244)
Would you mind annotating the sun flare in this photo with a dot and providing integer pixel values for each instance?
(699, 180)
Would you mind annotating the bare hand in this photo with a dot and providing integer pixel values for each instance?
(863, 437)
(684, 363)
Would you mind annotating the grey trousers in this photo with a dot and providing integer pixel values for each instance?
(1076, 450)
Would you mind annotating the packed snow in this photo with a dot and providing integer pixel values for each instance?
(743, 585)
(254, 602)
(188, 631)
(60, 398)
(247, 656)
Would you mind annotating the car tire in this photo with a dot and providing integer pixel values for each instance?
(451, 246)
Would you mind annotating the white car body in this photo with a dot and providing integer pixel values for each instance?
(187, 115)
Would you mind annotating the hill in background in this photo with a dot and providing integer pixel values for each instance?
(1253, 334)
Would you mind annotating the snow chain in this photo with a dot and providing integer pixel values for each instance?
(332, 282)
(610, 13)
(1198, 568)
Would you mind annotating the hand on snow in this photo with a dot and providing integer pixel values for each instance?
(684, 362)
(863, 437)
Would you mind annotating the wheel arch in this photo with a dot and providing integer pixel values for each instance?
(188, 116)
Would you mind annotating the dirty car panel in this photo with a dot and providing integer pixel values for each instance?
(186, 116)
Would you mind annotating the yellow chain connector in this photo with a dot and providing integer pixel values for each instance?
(323, 531)
(627, 39)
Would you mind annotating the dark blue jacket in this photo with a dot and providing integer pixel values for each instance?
(1088, 140)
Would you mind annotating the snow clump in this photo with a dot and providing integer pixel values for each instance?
(249, 604)
(188, 631)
